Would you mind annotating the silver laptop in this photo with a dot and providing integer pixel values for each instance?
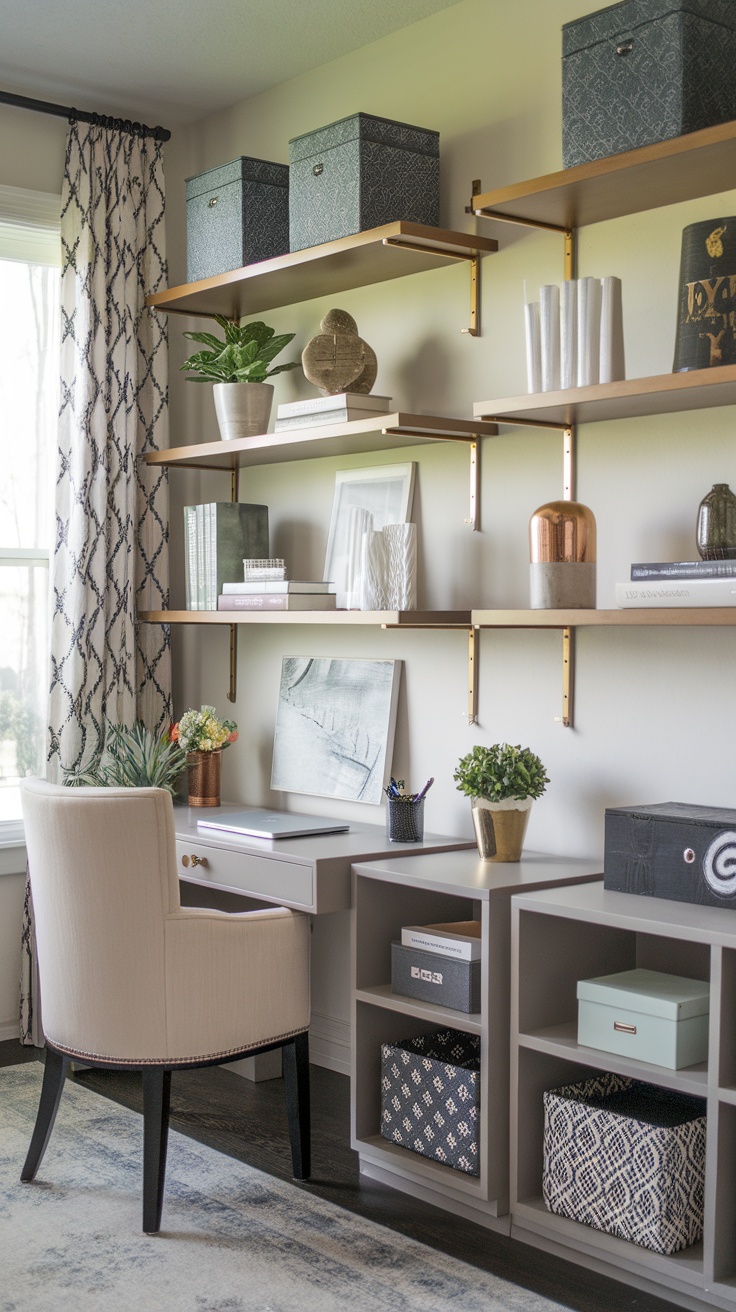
(273, 824)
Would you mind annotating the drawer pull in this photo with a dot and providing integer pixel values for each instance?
(623, 1028)
(318, 168)
(625, 48)
(194, 860)
(689, 855)
(212, 202)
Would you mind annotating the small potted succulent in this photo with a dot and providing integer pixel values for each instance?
(203, 736)
(502, 782)
(243, 357)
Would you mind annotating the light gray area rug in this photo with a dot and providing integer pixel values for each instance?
(233, 1239)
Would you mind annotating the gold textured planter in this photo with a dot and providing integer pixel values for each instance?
(204, 777)
(500, 828)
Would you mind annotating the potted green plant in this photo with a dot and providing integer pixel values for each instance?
(502, 782)
(130, 758)
(243, 356)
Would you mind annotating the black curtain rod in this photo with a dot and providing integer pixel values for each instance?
(84, 116)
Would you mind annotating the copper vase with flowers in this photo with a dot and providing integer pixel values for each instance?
(204, 736)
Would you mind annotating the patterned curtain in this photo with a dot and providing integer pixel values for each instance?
(111, 548)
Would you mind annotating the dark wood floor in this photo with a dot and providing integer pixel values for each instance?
(248, 1121)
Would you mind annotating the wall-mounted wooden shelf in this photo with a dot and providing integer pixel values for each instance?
(632, 398)
(682, 168)
(634, 616)
(385, 619)
(384, 433)
(378, 255)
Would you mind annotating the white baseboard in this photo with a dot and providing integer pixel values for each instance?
(9, 1029)
(329, 1043)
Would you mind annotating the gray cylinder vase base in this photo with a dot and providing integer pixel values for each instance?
(562, 585)
(562, 551)
(243, 409)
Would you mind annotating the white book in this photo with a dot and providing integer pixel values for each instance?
(340, 401)
(459, 939)
(681, 592)
(589, 331)
(569, 334)
(533, 347)
(199, 593)
(190, 556)
(346, 415)
(277, 586)
(612, 366)
(549, 337)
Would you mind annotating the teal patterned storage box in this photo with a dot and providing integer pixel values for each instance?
(645, 70)
(646, 1014)
(360, 173)
(627, 1158)
(237, 214)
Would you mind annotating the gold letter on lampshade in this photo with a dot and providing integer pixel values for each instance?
(562, 543)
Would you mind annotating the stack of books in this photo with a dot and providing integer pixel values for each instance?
(217, 537)
(284, 594)
(459, 939)
(339, 409)
(679, 583)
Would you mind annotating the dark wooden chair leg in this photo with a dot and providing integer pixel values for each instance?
(54, 1074)
(156, 1100)
(296, 1081)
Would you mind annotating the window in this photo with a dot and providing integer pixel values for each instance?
(29, 381)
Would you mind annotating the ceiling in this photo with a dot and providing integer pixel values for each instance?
(174, 61)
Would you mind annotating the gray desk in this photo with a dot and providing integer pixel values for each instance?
(309, 874)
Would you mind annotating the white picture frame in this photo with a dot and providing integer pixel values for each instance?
(385, 491)
(335, 724)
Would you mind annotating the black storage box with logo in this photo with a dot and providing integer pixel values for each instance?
(433, 977)
(645, 70)
(237, 214)
(360, 173)
(672, 850)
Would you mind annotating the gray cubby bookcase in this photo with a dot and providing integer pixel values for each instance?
(428, 889)
(565, 934)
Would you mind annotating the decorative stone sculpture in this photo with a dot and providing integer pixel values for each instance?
(337, 359)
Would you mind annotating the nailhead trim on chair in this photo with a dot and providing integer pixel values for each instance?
(172, 1061)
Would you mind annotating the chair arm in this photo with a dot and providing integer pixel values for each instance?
(234, 981)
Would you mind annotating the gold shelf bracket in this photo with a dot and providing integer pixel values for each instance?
(233, 689)
(569, 462)
(568, 679)
(474, 513)
(472, 259)
(473, 650)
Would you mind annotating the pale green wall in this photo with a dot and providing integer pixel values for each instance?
(654, 710)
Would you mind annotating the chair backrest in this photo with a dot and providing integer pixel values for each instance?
(102, 863)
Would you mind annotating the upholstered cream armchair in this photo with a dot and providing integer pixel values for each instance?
(132, 980)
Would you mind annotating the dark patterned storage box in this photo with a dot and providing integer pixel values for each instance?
(672, 850)
(627, 1158)
(359, 173)
(432, 977)
(236, 214)
(643, 71)
(430, 1097)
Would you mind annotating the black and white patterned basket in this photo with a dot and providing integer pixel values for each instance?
(430, 1097)
(637, 1171)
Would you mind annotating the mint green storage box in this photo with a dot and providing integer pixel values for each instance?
(657, 1018)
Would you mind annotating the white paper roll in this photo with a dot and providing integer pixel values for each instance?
(569, 333)
(612, 364)
(589, 330)
(533, 347)
(549, 337)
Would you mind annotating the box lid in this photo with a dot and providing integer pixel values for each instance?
(710, 816)
(651, 992)
(621, 19)
(243, 169)
(367, 127)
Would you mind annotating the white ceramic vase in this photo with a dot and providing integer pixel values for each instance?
(243, 409)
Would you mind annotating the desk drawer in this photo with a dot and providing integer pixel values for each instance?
(289, 883)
